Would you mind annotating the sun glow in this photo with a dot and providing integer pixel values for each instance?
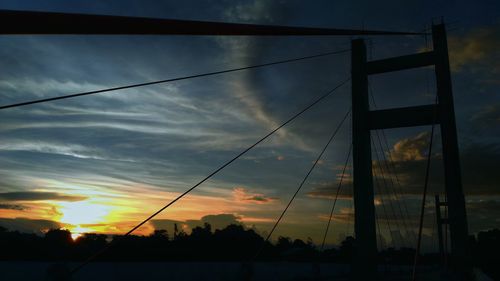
(75, 235)
(78, 231)
(83, 212)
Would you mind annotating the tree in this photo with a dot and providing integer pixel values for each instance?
(58, 243)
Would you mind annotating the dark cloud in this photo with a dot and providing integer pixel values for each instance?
(221, 220)
(483, 214)
(218, 221)
(168, 225)
(486, 122)
(241, 194)
(476, 50)
(478, 162)
(39, 196)
(29, 225)
(329, 191)
(490, 113)
(13, 207)
(480, 178)
(259, 198)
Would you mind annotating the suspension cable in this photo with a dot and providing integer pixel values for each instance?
(399, 187)
(389, 165)
(336, 197)
(386, 185)
(422, 208)
(378, 186)
(171, 79)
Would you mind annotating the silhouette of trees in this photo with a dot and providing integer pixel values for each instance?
(232, 243)
(89, 243)
(486, 249)
(58, 244)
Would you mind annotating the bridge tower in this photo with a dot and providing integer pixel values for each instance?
(364, 120)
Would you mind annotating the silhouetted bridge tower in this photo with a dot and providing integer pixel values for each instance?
(364, 120)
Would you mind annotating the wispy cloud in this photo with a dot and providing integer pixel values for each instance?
(16, 207)
(39, 196)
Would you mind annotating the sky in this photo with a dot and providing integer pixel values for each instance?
(105, 162)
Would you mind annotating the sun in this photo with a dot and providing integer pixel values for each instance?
(75, 235)
(78, 215)
(78, 231)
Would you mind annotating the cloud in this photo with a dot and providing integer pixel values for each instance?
(218, 221)
(328, 190)
(252, 11)
(240, 194)
(478, 161)
(483, 214)
(248, 51)
(488, 118)
(476, 49)
(342, 216)
(73, 150)
(13, 207)
(411, 149)
(39, 196)
(221, 220)
(38, 226)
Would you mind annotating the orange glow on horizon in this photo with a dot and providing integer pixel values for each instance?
(115, 213)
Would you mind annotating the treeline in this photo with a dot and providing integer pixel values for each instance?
(233, 243)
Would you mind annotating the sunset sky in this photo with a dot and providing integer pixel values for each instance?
(103, 163)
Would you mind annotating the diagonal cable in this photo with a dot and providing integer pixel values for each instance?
(424, 196)
(399, 186)
(171, 80)
(336, 197)
(378, 186)
(422, 208)
(396, 188)
(302, 184)
(387, 176)
(209, 176)
(386, 189)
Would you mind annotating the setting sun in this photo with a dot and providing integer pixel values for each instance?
(83, 212)
(78, 231)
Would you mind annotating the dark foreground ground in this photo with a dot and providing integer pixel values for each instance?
(173, 271)
(206, 271)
